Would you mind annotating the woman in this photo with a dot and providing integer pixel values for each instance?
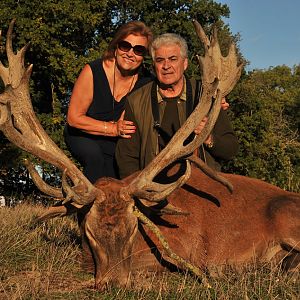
(95, 114)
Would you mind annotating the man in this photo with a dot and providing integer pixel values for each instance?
(159, 108)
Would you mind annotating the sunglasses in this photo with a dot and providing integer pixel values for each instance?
(137, 49)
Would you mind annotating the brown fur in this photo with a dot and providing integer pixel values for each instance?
(257, 222)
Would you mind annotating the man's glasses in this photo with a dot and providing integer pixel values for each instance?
(137, 49)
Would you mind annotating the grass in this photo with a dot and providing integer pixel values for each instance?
(43, 262)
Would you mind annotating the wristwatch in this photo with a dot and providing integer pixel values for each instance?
(211, 143)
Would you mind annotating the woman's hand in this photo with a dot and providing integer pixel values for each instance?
(125, 128)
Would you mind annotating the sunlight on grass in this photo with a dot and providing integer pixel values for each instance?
(43, 262)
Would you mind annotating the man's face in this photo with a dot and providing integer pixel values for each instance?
(169, 65)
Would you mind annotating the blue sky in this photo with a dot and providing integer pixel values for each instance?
(270, 31)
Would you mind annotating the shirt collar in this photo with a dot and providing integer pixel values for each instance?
(182, 96)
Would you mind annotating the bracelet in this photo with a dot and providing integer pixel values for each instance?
(105, 128)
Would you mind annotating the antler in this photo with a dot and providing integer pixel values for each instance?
(21, 126)
(213, 65)
(219, 75)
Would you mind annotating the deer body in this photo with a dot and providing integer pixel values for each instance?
(257, 222)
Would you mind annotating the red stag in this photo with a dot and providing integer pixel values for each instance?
(204, 222)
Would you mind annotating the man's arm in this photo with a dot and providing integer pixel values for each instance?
(225, 144)
(128, 150)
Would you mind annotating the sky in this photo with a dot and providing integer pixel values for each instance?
(269, 29)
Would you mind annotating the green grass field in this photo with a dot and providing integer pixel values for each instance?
(43, 262)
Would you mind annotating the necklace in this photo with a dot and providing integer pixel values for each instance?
(113, 91)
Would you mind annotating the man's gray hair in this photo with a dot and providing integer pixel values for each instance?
(169, 39)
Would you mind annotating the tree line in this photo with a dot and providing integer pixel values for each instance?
(64, 35)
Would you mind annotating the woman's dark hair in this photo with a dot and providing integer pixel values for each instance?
(132, 27)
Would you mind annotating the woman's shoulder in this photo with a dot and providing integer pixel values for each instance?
(96, 64)
(144, 76)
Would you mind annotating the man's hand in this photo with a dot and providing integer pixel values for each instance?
(199, 128)
(224, 104)
(201, 125)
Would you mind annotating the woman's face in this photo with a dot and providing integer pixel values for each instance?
(128, 56)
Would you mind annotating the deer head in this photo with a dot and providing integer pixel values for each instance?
(21, 126)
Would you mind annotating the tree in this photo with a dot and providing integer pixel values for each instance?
(176, 16)
(266, 107)
(64, 35)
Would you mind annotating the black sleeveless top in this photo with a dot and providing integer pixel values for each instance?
(104, 107)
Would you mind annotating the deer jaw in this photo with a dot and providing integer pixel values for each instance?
(110, 227)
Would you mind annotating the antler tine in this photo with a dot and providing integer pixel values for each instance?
(226, 69)
(21, 126)
(219, 75)
(176, 148)
(4, 74)
(4, 109)
(210, 172)
(233, 73)
(13, 74)
(156, 192)
(42, 185)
